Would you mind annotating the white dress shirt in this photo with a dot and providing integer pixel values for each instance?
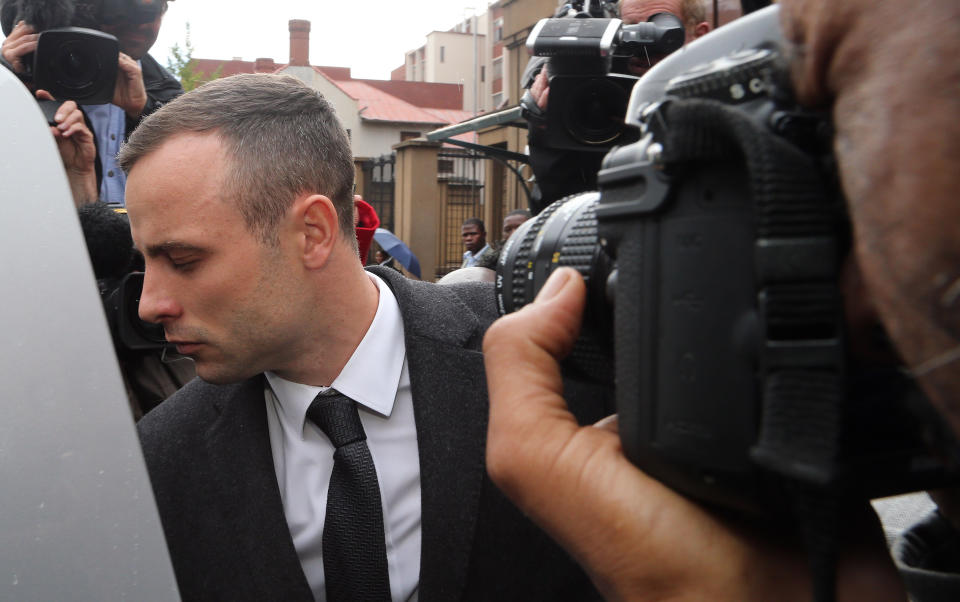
(376, 377)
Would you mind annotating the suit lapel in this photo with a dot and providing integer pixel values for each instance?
(450, 407)
(239, 446)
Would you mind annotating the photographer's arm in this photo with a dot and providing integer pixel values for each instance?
(636, 538)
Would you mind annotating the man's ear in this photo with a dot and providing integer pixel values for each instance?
(320, 228)
(702, 29)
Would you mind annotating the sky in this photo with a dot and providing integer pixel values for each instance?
(371, 37)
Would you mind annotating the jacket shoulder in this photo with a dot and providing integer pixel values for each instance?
(183, 415)
(453, 313)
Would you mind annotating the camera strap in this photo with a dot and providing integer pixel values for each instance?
(796, 268)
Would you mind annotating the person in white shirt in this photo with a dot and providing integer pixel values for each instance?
(240, 195)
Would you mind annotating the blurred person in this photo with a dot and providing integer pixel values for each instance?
(513, 220)
(365, 222)
(246, 220)
(559, 172)
(640, 540)
(474, 235)
(692, 13)
(384, 259)
(142, 86)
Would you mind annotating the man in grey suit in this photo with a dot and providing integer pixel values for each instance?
(240, 197)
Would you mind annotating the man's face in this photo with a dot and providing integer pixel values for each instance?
(511, 223)
(639, 11)
(135, 39)
(223, 297)
(473, 238)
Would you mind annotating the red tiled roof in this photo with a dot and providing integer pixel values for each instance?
(422, 94)
(392, 101)
(335, 73)
(377, 105)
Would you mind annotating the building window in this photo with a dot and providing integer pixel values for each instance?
(483, 73)
(498, 30)
(444, 166)
(497, 99)
(498, 68)
(442, 51)
(408, 135)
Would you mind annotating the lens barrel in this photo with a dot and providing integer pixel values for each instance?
(563, 234)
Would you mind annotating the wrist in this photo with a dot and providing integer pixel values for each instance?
(135, 108)
(83, 186)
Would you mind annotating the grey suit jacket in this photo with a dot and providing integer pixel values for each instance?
(208, 454)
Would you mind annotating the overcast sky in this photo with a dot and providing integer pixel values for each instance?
(370, 36)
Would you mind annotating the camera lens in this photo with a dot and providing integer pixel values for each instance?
(563, 234)
(595, 112)
(148, 331)
(75, 68)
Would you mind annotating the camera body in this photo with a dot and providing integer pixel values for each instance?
(712, 255)
(74, 63)
(590, 79)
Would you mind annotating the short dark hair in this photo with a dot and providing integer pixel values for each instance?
(524, 212)
(282, 139)
(474, 221)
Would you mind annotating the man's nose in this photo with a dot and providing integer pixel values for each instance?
(156, 304)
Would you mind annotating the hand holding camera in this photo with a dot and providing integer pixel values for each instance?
(671, 234)
(21, 42)
(637, 538)
(129, 92)
(77, 149)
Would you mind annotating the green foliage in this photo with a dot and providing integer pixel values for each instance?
(182, 66)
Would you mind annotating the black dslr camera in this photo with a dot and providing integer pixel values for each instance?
(590, 74)
(712, 255)
(73, 60)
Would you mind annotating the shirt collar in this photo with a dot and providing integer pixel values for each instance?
(468, 254)
(372, 374)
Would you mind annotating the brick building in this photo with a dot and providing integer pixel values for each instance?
(377, 114)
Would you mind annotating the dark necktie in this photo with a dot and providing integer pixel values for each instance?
(354, 552)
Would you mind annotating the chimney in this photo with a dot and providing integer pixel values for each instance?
(262, 65)
(299, 43)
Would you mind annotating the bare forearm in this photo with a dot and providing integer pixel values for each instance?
(83, 187)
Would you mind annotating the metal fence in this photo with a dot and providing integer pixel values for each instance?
(461, 176)
(378, 187)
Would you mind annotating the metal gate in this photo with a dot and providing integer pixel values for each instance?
(378, 188)
(461, 176)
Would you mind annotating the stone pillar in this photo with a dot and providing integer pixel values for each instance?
(417, 202)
